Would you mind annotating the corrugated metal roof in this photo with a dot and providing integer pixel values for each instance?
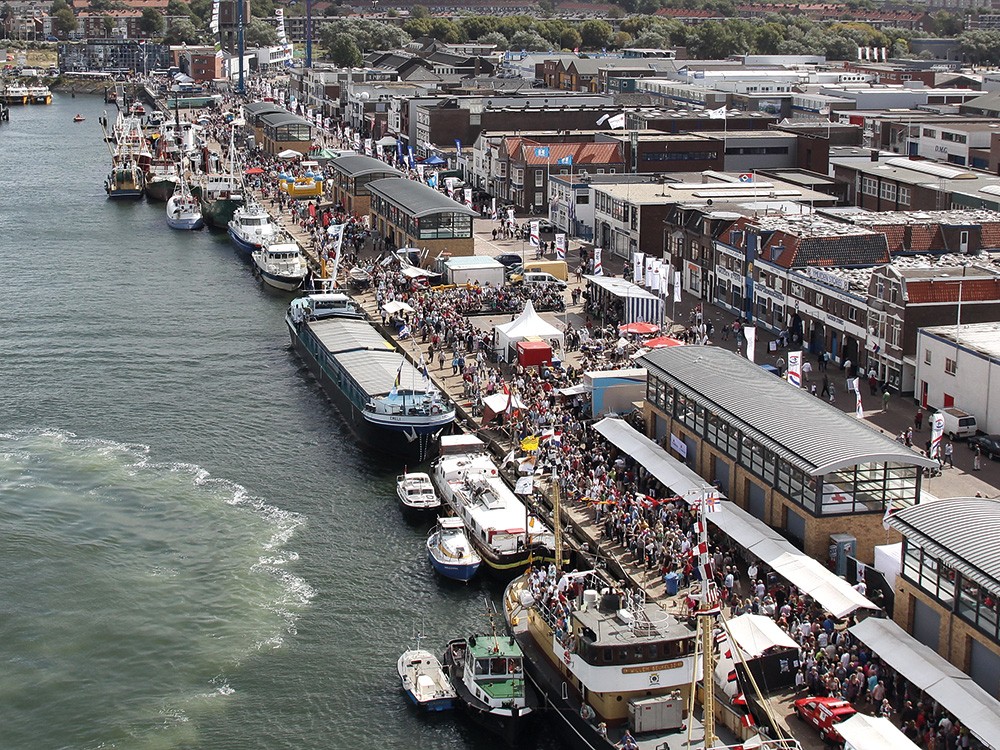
(375, 371)
(942, 528)
(804, 430)
(340, 335)
(416, 198)
(354, 166)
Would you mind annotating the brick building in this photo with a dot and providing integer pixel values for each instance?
(350, 176)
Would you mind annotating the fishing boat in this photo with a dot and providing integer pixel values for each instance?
(374, 386)
(183, 209)
(416, 492)
(161, 180)
(15, 94)
(322, 305)
(488, 674)
(500, 527)
(251, 227)
(450, 552)
(126, 180)
(424, 681)
(79, 118)
(220, 195)
(281, 264)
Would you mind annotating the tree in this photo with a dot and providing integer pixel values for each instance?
(57, 5)
(596, 34)
(368, 35)
(64, 21)
(344, 52)
(261, 9)
(260, 33)
(531, 41)
(621, 39)
(419, 11)
(178, 8)
(202, 10)
(182, 31)
(108, 23)
(495, 37)
(476, 26)
(570, 39)
(945, 24)
(151, 22)
(445, 31)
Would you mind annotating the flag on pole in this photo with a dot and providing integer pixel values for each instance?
(598, 268)
(677, 286)
(618, 121)
(717, 114)
(541, 152)
(937, 430)
(750, 333)
(566, 160)
(396, 382)
(530, 444)
(493, 209)
(859, 410)
(560, 240)
(458, 148)
(794, 374)
(533, 235)
(413, 157)
(214, 26)
(467, 194)
(713, 504)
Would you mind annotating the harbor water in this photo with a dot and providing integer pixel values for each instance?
(195, 552)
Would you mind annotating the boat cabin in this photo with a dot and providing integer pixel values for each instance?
(494, 670)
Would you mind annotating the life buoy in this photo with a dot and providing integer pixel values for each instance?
(567, 657)
(435, 409)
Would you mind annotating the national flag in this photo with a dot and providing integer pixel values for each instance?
(713, 504)
(701, 548)
(423, 369)
(541, 152)
(530, 444)
(888, 512)
(746, 177)
(618, 121)
(717, 114)
(399, 376)
(875, 348)
(566, 160)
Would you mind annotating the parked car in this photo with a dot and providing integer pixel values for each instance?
(958, 424)
(537, 277)
(824, 714)
(509, 260)
(546, 227)
(988, 444)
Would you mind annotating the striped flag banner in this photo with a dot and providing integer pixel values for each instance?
(794, 374)
(560, 246)
(937, 431)
(637, 267)
(859, 410)
(598, 268)
(468, 197)
(533, 236)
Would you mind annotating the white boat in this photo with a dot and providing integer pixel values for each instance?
(450, 552)
(183, 209)
(281, 265)
(424, 681)
(252, 227)
(504, 533)
(322, 305)
(416, 492)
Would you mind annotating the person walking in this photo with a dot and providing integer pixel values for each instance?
(825, 390)
(885, 399)
(918, 419)
(949, 451)
(977, 459)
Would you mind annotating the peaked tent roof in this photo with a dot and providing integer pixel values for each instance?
(528, 323)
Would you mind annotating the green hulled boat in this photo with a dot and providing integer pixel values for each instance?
(220, 195)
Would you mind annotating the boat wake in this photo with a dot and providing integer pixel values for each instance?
(136, 590)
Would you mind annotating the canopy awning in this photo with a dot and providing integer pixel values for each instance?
(861, 732)
(930, 672)
(755, 634)
(668, 471)
(497, 404)
(396, 306)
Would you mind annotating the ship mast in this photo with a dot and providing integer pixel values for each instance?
(708, 608)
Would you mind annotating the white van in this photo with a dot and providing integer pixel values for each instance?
(540, 277)
(958, 424)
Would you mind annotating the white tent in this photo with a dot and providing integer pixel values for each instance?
(526, 325)
(862, 732)
(497, 404)
(755, 634)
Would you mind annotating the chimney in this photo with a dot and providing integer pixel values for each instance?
(874, 154)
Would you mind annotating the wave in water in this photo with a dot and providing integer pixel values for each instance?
(134, 592)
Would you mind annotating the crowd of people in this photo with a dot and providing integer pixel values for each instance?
(637, 517)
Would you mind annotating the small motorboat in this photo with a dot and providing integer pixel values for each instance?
(415, 491)
(425, 682)
(281, 264)
(450, 552)
(183, 209)
(79, 118)
(252, 227)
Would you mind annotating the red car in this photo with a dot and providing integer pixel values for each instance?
(824, 714)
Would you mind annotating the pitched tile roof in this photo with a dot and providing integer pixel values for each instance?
(927, 291)
(582, 153)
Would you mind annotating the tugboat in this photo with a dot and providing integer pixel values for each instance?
(488, 674)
